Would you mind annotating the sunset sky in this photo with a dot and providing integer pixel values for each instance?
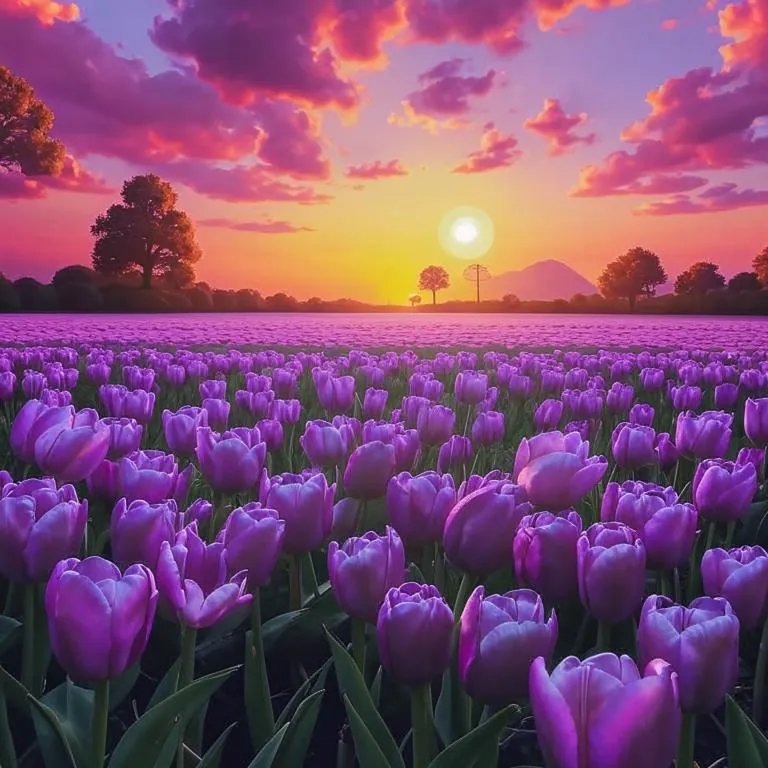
(317, 144)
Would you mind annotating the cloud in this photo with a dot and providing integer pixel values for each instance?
(44, 11)
(557, 128)
(73, 178)
(112, 106)
(497, 150)
(723, 197)
(669, 24)
(267, 227)
(444, 96)
(704, 120)
(376, 170)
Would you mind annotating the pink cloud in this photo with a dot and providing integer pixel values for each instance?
(267, 227)
(557, 128)
(44, 11)
(703, 120)
(73, 178)
(669, 24)
(723, 197)
(444, 96)
(497, 150)
(376, 170)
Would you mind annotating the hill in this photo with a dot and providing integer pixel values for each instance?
(542, 281)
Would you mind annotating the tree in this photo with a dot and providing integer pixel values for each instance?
(146, 235)
(744, 281)
(415, 299)
(636, 273)
(477, 273)
(699, 278)
(760, 265)
(25, 123)
(74, 275)
(434, 278)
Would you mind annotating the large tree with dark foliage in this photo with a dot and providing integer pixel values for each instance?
(744, 281)
(760, 265)
(699, 278)
(145, 234)
(636, 273)
(25, 123)
(434, 278)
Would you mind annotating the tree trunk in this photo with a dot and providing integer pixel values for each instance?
(632, 300)
(434, 296)
(146, 276)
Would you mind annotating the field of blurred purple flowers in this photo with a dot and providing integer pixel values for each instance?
(217, 556)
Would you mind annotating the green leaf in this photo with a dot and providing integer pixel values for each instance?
(368, 752)
(747, 745)
(315, 682)
(167, 686)
(121, 686)
(267, 753)
(143, 742)
(73, 706)
(352, 685)
(14, 691)
(54, 745)
(212, 758)
(295, 743)
(376, 687)
(465, 752)
(451, 708)
(9, 632)
(273, 629)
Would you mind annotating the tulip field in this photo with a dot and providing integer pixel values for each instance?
(235, 557)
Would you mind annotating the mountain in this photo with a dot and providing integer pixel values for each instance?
(544, 281)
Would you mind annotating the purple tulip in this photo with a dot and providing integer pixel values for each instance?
(32, 384)
(619, 398)
(98, 373)
(368, 471)
(480, 529)
(722, 491)
(739, 575)
(104, 481)
(754, 456)
(685, 398)
(255, 382)
(55, 398)
(667, 527)
(212, 389)
(556, 470)
(633, 446)
(598, 713)
(180, 428)
(218, 412)
(756, 420)
(153, 476)
(611, 571)
(374, 403)
(701, 642)
(642, 413)
(726, 396)
(324, 444)
(470, 387)
(7, 385)
(545, 554)
(230, 463)
(418, 506)
(488, 428)
(667, 451)
(124, 436)
(363, 569)
(40, 524)
(138, 530)
(414, 633)
(31, 421)
(192, 581)
(454, 454)
(499, 638)
(253, 538)
(199, 510)
(435, 424)
(285, 411)
(305, 502)
(548, 414)
(705, 436)
(83, 594)
(138, 378)
(336, 394)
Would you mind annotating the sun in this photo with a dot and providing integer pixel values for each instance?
(465, 231)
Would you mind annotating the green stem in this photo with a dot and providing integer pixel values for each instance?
(427, 569)
(731, 530)
(28, 648)
(687, 736)
(665, 583)
(603, 636)
(312, 575)
(358, 644)
(99, 723)
(10, 599)
(694, 583)
(439, 569)
(7, 748)
(294, 585)
(422, 722)
(465, 589)
(261, 722)
(186, 676)
(759, 689)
